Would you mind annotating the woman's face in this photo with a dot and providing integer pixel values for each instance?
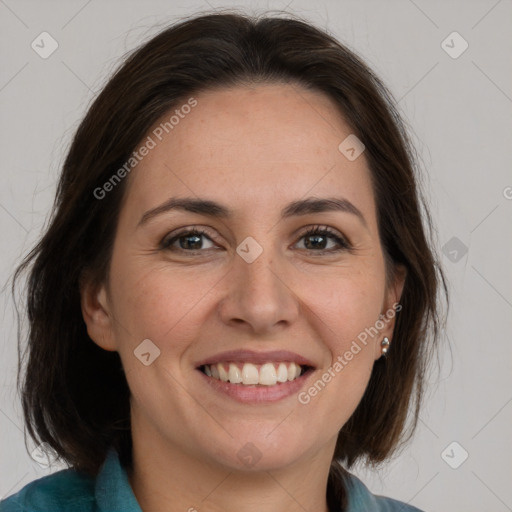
(254, 288)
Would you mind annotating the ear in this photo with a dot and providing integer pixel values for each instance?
(391, 307)
(96, 314)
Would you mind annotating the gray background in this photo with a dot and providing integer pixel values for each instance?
(459, 111)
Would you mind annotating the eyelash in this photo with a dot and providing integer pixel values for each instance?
(316, 230)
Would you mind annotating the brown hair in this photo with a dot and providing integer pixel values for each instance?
(75, 396)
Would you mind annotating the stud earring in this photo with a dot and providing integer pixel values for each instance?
(385, 346)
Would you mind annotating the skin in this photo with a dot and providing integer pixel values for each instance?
(253, 149)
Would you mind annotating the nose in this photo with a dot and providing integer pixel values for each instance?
(259, 297)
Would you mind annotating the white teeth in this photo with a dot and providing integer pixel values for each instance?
(250, 374)
(235, 375)
(268, 374)
(293, 371)
(282, 373)
(223, 374)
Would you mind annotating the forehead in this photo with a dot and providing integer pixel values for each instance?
(249, 146)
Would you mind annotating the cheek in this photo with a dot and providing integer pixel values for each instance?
(346, 309)
(164, 305)
(349, 304)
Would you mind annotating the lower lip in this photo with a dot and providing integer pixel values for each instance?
(257, 394)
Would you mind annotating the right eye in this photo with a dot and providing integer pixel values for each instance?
(189, 241)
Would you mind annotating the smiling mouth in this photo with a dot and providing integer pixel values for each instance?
(249, 374)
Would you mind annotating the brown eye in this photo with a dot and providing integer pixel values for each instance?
(318, 237)
(188, 241)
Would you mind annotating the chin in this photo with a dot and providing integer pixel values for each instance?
(261, 451)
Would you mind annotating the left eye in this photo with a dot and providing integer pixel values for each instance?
(320, 235)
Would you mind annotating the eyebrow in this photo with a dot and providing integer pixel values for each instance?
(216, 210)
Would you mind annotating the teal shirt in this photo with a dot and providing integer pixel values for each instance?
(72, 491)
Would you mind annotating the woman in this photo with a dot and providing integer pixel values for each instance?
(236, 299)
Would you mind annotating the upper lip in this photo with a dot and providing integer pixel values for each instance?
(250, 356)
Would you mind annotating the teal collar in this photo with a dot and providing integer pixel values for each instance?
(113, 490)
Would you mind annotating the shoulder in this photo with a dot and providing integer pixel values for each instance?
(61, 491)
(360, 499)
